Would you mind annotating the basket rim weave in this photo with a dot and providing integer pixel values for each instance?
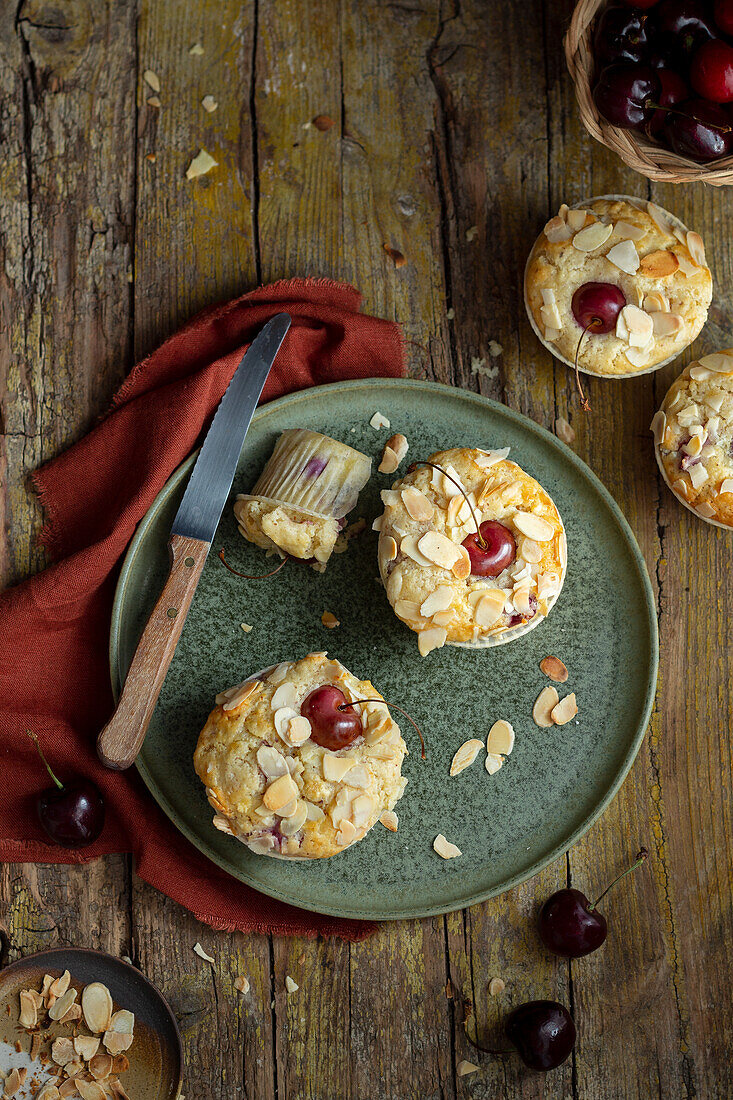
(638, 152)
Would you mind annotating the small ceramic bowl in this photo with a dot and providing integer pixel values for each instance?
(675, 222)
(659, 424)
(156, 1054)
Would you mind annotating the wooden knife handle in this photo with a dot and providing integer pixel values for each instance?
(119, 742)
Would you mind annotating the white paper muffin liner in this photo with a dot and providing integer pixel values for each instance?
(313, 473)
(642, 205)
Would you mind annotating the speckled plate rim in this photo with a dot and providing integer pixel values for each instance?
(383, 386)
(633, 200)
(44, 960)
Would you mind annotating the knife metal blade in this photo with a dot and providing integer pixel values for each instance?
(213, 473)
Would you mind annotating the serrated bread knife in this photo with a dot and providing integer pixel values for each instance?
(191, 535)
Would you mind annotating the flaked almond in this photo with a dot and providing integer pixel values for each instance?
(242, 985)
(434, 637)
(438, 600)
(554, 668)
(60, 985)
(394, 451)
(624, 256)
(329, 620)
(100, 1065)
(281, 719)
(293, 823)
(666, 324)
(576, 219)
(501, 738)
(417, 504)
(62, 1051)
(659, 264)
(465, 756)
(152, 81)
(564, 431)
(96, 1005)
(236, 696)
(545, 703)
(397, 257)
(438, 549)
(464, 1067)
(556, 231)
(202, 163)
(90, 1090)
(73, 1013)
(86, 1046)
(493, 762)
(12, 1083)
(726, 486)
(209, 104)
(362, 809)
(656, 303)
(68, 1089)
(444, 848)
(49, 1091)
(62, 1004)
(378, 421)
(28, 1009)
(46, 988)
(461, 568)
(198, 950)
(323, 123)
(496, 986)
(592, 237)
(639, 357)
(271, 761)
(298, 730)
(534, 527)
(389, 548)
(698, 475)
(119, 1035)
(336, 767)
(530, 551)
(489, 608)
(409, 547)
(290, 985)
(36, 1044)
(347, 834)
(720, 362)
(629, 232)
(636, 324)
(660, 219)
(696, 248)
(565, 710)
(705, 510)
(390, 820)
(549, 310)
(284, 696)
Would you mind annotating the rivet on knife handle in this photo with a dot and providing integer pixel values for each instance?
(121, 739)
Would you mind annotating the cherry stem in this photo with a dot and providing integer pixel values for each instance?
(479, 537)
(249, 576)
(641, 858)
(585, 404)
(682, 114)
(497, 1051)
(345, 706)
(42, 755)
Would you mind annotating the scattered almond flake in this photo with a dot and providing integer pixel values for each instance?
(378, 421)
(196, 50)
(86, 1046)
(28, 1009)
(151, 80)
(496, 986)
(556, 230)
(245, 627)
(242, 985)
(546, 701)
(726, 486)
(576, 219)
(696, 248)
(698, 475)
(209, 103)
(629, 232)
(554, 669)
(202, 954)
(450, 314)
(666, 324)
(566, 709)
(395, 255)
(96, 1003)
(153, 101)
(534, 527)
(659, 218)
(444, 848)
(495, 349)
(655, 303)
(323, 122)
(63, 1003)
(62, 1051)
(465, 756)
(501, 739)
(659, 264)
(564, 431)
(624, 256)
(395, 450)
(151, 157)
(592, 237)
(12, 1083)
(464, 1068)
(290, 985)
(202, 163)
(36, 1044)
(637, 325)
(720, 362)
(417, 505)
(60, 985)
(472, 233)
(390, 820)
(478, 366)
(330, 621)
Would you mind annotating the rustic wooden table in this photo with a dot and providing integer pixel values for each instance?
(455, 135)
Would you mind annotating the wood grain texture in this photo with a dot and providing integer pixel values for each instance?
(454, 135)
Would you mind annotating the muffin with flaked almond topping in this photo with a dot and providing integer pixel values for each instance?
(693, 437)
(301, 499)
(472, 550)
(292, 768)
(625, 276)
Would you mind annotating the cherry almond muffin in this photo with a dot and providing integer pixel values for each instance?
(288, 773)
(627, 271)
(693, 436)
(471, 553)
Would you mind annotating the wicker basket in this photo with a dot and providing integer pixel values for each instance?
(635, 150)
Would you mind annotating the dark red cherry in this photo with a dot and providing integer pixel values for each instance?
(620, 35)
(674, 91)
(626, 94)
(543, 1032)
(723, 12)
(682, 25)
(71, 813)
(596, 306)
(700, 130)
(331, 728)
(496, 555)
(711, 73)
(570, 925)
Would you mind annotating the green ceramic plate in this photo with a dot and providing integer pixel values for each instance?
(556, 782)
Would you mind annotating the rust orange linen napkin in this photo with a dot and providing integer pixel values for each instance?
(54, 627)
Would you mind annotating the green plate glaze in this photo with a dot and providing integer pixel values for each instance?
(556, 782)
